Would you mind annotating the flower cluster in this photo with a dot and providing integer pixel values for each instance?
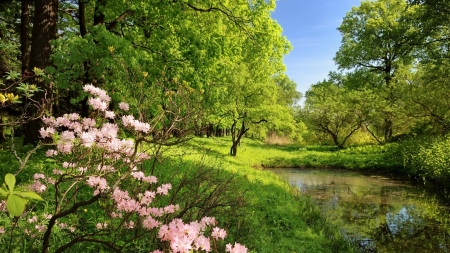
(83, 139)
(186, 237)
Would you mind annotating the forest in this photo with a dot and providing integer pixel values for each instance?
(99, 98)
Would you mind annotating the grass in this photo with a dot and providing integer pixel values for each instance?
(257, 208)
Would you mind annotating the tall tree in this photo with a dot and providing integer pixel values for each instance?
(381, 36)
(44, 32)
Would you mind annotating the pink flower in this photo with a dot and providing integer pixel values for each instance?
(47, 132)
(51, 152)
(109, 114)
(236, 249)
(49, 121)
(37, 186)
(87, 138)
(73, 116)
(218, 233)
(62, 225)
(82, 169)
(97, 104)
(40, 228)
(99, 183)
(130, 225)
(38, 176)
(2, 231)
(150, 223)
(57, 172)
(124, 106)
(202, 243)
(150, 179)
(88, 123)
(101, 225)
(164, 189)
(64, 147)
(67, 136)
(67, 165)
(138, 175)
(32, 220)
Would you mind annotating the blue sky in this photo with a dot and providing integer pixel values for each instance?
(310, 26)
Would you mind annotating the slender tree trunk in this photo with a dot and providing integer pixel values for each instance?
(44, 31)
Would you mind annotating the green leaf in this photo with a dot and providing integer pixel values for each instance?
(29, 195)
(10, 180)
(15, 205)
(3, 191)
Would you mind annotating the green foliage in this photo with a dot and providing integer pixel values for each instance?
(16, 198)
(426, 159)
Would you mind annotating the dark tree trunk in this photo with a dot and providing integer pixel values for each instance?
(44, 31)
(236, 136)
(25, 37)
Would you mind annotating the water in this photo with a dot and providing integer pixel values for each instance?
(377, 213)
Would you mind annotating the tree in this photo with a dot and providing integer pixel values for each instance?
(381, 36)
(336, 111)
(44, 32)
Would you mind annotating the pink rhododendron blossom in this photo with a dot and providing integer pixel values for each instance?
(202, 243)
(64, 147)
(51, 152)
(40, 228)
(32, 219)
(38, 176)
(58, 172)
(105, 168)
(68, 165)
(73, 116)
(99, 183)
(150, 179)
(109, 114)
(67, 136)
(164, 189)
(2, 231)
(124, 106)
(63, 225)
(82, 169)
(138, 175)
(37, 186)
(47, 132)
(87, 138)
(101, 225)
(171, 208)
(150, 223)
(88, 123)
(48, 121)
(218, 233)
(237, 248)
(2, 205)
(129, 225)
(97, 104)
(48, 216)
(51, 180)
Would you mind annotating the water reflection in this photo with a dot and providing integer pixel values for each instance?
(378, 214)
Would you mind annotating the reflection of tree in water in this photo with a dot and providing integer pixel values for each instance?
(382, 221)
(379, 215)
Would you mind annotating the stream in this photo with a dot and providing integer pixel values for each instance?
(378, 214)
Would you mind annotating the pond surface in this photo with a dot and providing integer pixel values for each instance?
(377, 213)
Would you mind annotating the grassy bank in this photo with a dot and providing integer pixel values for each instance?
(255, 207)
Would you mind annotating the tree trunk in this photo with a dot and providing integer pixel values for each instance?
(25, 37)
(44, 31)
